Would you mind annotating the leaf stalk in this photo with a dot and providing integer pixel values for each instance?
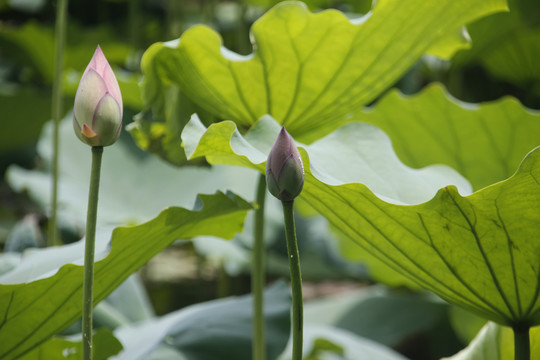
(522, 345)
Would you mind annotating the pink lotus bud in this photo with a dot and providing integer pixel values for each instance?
(97, 113)
(284, 168)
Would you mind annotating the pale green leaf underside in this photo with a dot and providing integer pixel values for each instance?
(485, 142)
(474, 251)
(33, 312)
(364, 145)
(308, 70)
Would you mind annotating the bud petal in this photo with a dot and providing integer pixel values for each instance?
(284, 168)
(97, 112)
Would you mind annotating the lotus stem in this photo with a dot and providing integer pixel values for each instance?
(258, 274)
(296, 280)
(60, 33)
(522, 345)
(88, 282)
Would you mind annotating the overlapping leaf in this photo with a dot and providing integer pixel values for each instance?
(368, 147)
(485, 142)
(34, 311)
(474, 251)
(307, 70)
(331, 157)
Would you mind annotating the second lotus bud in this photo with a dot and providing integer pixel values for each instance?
(284, 168)
(97, 112)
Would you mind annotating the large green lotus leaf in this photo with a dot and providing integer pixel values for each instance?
(496, 342)
(331, 158)
(35, 309)
(474, 251)
(485, 142)
(308, 70)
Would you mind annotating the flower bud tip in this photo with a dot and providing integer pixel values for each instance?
(97, 111)
(284, 168)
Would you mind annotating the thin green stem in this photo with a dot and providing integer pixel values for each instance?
(224, 282)
(296, 280)
(60, 32)
(522, 345)
(88, 282)
(258, 274)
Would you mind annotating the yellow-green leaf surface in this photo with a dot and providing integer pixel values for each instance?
(476, 251)
(485, 142)
(33, 311)
(307, 70)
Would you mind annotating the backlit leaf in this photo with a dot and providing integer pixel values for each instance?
(485, 142)
(308, 70)
(474, 251)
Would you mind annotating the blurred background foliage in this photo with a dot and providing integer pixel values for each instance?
(503, 60)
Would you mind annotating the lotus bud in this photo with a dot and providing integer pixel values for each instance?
(284, 168)
(97, 113)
